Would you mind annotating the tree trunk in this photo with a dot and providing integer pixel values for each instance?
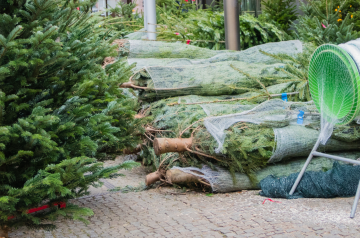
(152, 178)
(179, 177)
(165, 145)
(4, 232)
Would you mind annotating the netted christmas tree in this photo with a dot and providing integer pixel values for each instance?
(243, 133)
(60, 111)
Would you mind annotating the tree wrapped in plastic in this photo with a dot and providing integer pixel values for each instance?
(60, 111)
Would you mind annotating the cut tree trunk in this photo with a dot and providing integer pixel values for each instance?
(165, 145)
(4, 232)
(179, 177)
(152, 178)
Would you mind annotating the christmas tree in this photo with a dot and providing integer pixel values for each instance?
(323, 23)
(283, 12)
(60, 111)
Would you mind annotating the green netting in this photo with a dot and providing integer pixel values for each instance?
(340, 181)
(334, 80)
(223, 181)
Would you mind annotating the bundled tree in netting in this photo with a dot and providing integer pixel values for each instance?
(234, 131)
(60, 110)
(174, 69)
(246, 144)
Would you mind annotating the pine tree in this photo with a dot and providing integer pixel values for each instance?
(60, 111)
(283, 12)
(322, 24)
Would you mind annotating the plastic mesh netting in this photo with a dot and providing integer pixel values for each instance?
(293, 141)
(334, 82)
(221, 180)
(276, 112)
(243, 135)
(209, 79)
(340, 181)
(159, 49)
(175, 69)
(196, 55)
(141, 34)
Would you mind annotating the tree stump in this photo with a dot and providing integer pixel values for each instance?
(165, 145)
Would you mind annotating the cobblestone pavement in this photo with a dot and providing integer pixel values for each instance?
(166, 212)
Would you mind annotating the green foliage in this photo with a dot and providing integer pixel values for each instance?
(124, 9)
(321, 24)
(352, 8)
(8, 6)
(60, 110)
(247, 147)
(122, 20)
(178, 9)
(206, 29)
(283, 12)
(297, 70)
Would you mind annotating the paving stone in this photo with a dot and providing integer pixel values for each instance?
(151, 213)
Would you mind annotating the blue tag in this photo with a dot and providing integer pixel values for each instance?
(284, 97)
(300, 118)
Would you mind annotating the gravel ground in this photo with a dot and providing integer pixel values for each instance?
(168, 212)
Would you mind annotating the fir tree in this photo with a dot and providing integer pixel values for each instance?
(323, 25)
(283, 12)
(60, 111)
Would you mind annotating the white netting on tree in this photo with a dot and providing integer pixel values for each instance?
(212, 79)
(254, 55)
(162, 50)
(159, 49)
(222, 181)
(213, 106)
(274, 112)
(292, 138)
(294, 141)
(139, 35)
(175, 69)
(220, 108)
